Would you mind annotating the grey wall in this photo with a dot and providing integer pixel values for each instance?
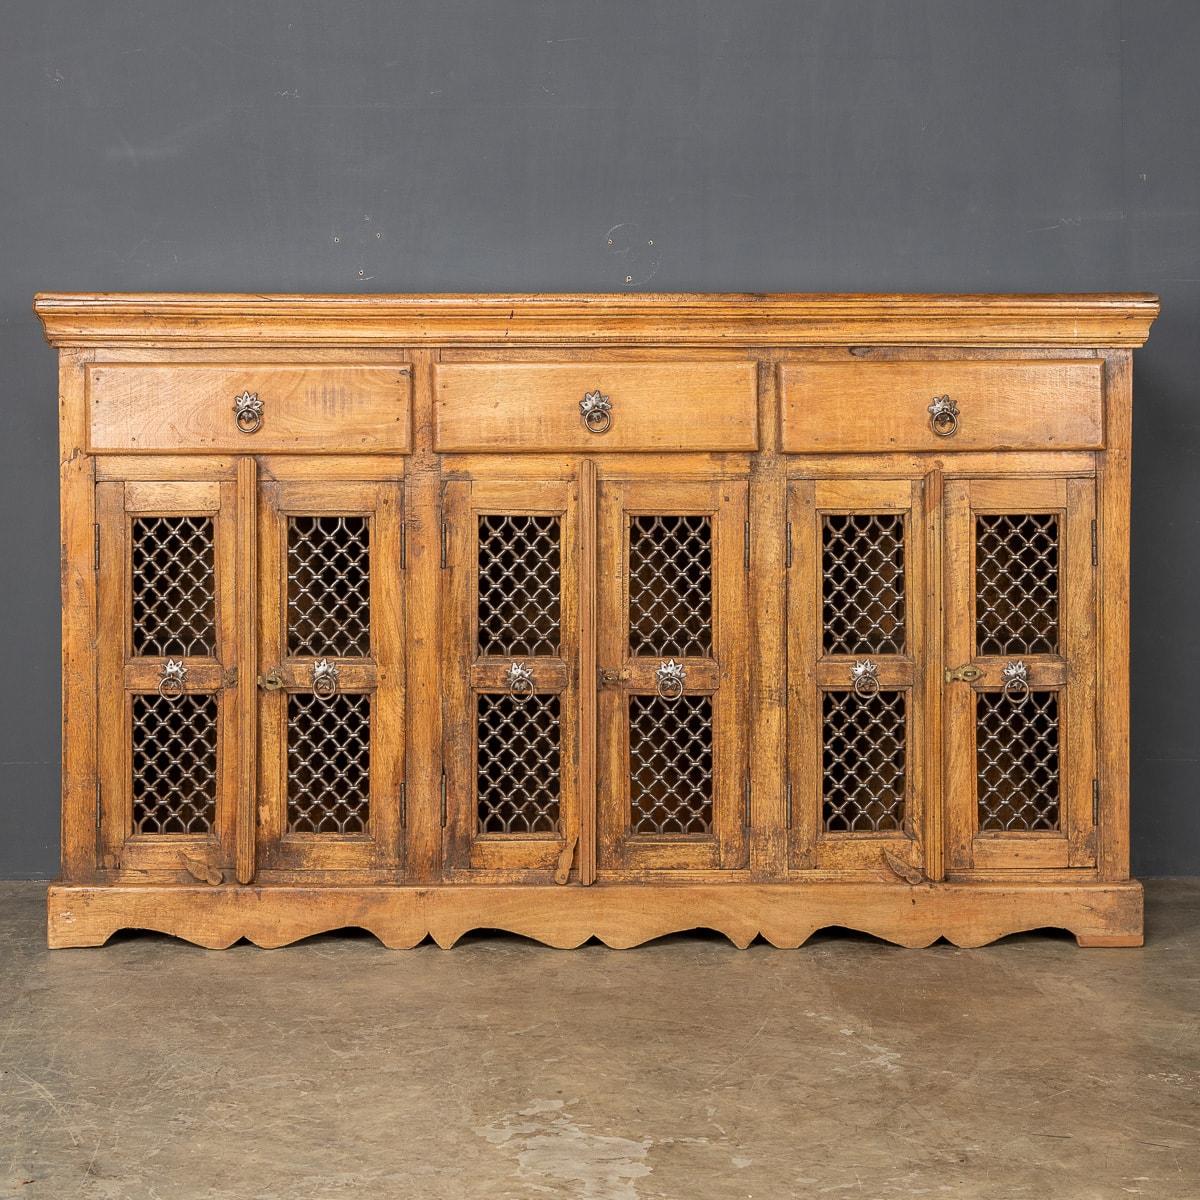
(387, 146)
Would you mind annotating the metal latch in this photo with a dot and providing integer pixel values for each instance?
(967, 674)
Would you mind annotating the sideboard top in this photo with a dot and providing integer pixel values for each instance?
(659, 318)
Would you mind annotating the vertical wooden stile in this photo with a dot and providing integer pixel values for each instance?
(932, 669)
(588, 682)
(245, 819)
(1112, 520)
(422, 493)
(767, 706)
(79, 603)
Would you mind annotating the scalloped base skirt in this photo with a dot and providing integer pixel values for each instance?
(619, 915)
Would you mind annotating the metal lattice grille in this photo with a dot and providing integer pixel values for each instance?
(862, 568)
(1017, 761)
(174, 763)
(670, 765)
(863, 762)
(1016, 583)
(517, 763)
(173, 588)
(670, 586)
(519, 584)
(329, 763)
(329, 586)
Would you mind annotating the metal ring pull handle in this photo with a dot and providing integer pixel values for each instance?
(520, 681)
(248, 412)
(171, 677)
(325, 678)
(597, 412)
(865, 677)
(669, 679)
(1015, 677)
(943, 416)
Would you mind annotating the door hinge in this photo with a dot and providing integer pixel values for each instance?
(443, 799)
(787, 562)
(404, 545)
(746, 546)
(1095, 802)
(746, 804)
(403, 804)
(1095, 552)
(95, 547)
(445, 543)
(787, 805)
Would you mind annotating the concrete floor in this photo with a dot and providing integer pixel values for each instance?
(685, 1069)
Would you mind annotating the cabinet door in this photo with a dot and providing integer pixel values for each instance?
(671, 648)
(856, 630)
(510, 676)
(332, 705)
(168, 725)
(1019, 708)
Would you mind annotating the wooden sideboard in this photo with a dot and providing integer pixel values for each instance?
(595, 616)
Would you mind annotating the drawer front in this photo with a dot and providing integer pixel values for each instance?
(831, 408)
(536, 407)
(325, 409)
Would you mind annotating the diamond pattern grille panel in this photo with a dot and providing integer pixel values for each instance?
(1017, 759)
(174, 763)
(670, 765)
(520, 585)
(329, 586)
(328, 763)
(863, 572)
(174, 610)
(670, 586)
(863, 762)
(518, 763)
(1016, 583)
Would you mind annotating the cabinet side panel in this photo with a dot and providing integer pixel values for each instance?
(1113, 479)
(77, 506)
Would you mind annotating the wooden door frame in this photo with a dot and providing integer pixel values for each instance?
(565, 855)
(1071, 672)
(724, 676)
(377, 854)
(121, 675)
(812, 672)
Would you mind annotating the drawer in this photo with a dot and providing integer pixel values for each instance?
(535, 407)
(830, 408)
(319, 409)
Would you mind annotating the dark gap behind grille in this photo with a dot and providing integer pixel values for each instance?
(173, 587)
(670, 765)
(862, 572)
(670, 586)
(1017, 761)
(519, 585)
(174, 763)
(329, 586)
(518, 763)
(863, 764)
(1016, 583)
(328, 763)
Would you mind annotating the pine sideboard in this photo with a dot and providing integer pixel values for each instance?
(595, 616)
